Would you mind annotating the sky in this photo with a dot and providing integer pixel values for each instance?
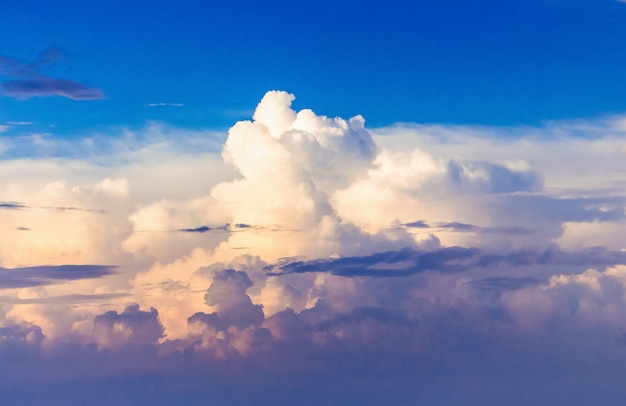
(278, 203)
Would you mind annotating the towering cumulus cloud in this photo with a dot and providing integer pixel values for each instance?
(314, 261)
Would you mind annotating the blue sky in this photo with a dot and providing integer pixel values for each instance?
(476, 62)
(401, 202)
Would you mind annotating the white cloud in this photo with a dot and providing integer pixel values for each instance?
(174, 215)
(165, 105)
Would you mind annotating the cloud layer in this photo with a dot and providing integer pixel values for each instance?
(312, 260)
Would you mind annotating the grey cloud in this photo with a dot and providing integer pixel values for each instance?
(498, 179)
(48, 86)
(71, 208)
(505, 283)
(132, 326)
(409, 261)
(417, 224)
(31, 82)
(234, 307)
(204, 229)
(47, 275)
(225, 227)
(404, 262)
(389, 353)
(469, 228)
(12, 206)
(20, 334)
(23, 206)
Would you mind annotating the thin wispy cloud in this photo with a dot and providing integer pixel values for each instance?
(31, 81)
(23, 206)
(19, 122)
(165, 105)
(467, 228)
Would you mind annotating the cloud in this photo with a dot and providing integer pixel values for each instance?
(204, 229)
(48, 86)
(15, 335)
(132, 326)
(31, 82)
(12, 206)
(409, 261)
(319, 283)
(21, 206)
(506, 283)
(467, 228)
(64, 299)
(165, 105)
(45, 275)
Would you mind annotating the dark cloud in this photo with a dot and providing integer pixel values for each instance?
(404, 262)
(49, 86)
(31, 82)
(204, 229)
(12, 206)
(234, 306)
(409, 261)
(576, 209)
(387, 353)
(132, 326)
(417, 224)
(47, 275)
(505, 283)
(23, 228)
(13, 336)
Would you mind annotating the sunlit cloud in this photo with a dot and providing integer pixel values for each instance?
(302, 246)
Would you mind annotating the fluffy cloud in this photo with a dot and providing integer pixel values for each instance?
(132, 326)
(312, 252)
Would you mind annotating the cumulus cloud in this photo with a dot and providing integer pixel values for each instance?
(314, 252)
(132, 326)
(31, 82)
